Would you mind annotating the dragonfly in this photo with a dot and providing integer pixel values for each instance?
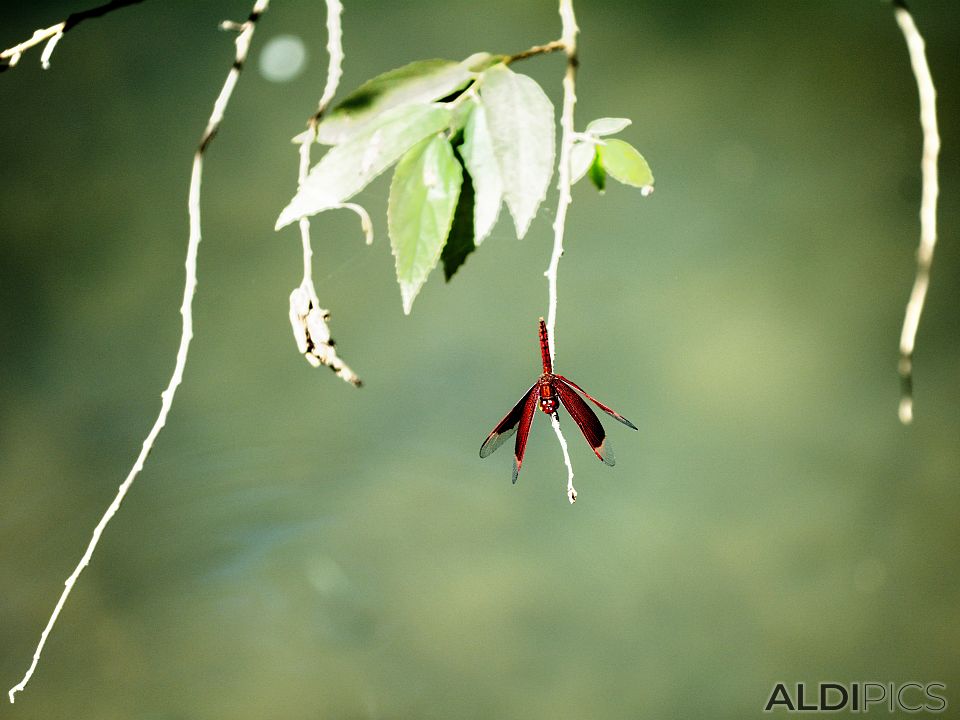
(549, 392)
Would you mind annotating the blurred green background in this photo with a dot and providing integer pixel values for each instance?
(296, 548)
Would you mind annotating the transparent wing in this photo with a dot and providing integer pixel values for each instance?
(526, 420)
(506, 427)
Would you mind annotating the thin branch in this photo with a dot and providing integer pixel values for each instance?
(550, 47)
(928, 204)
(193, 204)
(11, 56)
(335, 55)
(569, 42)
(571, 490)
(307, 318)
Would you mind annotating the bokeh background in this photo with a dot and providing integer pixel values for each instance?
(296, 548)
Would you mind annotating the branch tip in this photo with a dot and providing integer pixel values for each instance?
(176, 378)
(52, 35)
(928, 204)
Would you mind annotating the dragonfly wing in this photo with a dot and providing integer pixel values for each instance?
(609, 411)
(506, 427)
(526, 420)
(587, 421)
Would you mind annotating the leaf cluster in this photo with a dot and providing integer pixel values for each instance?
(465, 138)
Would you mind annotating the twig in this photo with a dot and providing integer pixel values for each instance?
(307, 318)
(335, 58)
(193, 205)
(569, 43)
(550, 47)
(928, 204)
(11, 56)
(571, 490)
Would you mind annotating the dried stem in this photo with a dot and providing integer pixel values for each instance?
(569, 44)
(193, 204)
(11, 56)
(928, 204)
(307, 318)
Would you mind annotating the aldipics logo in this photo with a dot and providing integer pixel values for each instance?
(859, 697)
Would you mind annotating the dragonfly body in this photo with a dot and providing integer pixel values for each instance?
(549, 392)
(548, 398)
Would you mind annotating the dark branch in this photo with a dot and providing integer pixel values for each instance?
(78, 17)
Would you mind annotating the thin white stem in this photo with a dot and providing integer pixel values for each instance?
(334, 73)
(569, 41)
(11, 56)
(928, 205)
(193, 204)
(53, 34)
(334, 53)
(48, 50)
(307, 319)
(304, 223)
(571, 490)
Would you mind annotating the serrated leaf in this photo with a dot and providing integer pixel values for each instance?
(598, 176)
(349, 167)
(423, 196)
(624, 163)
(581, 158)
(480, 161)
(520, 119)
(460, 240)
(607, 126)
(419, 82)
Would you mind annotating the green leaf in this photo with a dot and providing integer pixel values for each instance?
(460, 241)
(624, 163)
(459, 116)
(349, 167)
(423, 196)
(419, 82)
(520, 118)
(479, 159)
(607, 126)
(581, 158)
(598, 176)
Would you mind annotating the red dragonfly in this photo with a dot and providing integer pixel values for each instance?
(549, 391)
